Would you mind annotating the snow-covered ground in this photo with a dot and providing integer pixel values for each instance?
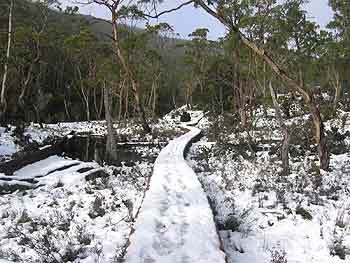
(74, 211)
(7, 143)
(84, 212)
(175, 224)
(71, 217)
(163, 130)
(266, 217)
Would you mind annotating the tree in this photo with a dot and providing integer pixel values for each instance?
(83, 50)
(120, 9)
(285, 131)
(221, 11)
(3, 101)
(196, 57)
(338, 52)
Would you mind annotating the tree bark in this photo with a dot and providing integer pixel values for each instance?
(111, 147)
(3, 100)
(66, 108)
(286, 136)
(84, 96)
(337, 87)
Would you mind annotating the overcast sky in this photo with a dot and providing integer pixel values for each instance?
(187, 19)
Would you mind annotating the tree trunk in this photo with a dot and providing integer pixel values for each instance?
(66, 109)
(322, 148)
(84, 96)
(111, 147)
(101, 105)
(286, 136)
(291, 83)
(3, 101)
(121, 99)
(239, 93)
(337, 87)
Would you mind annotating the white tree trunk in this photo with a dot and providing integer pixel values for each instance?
(9, 39)
(286, 136)
(111, 147)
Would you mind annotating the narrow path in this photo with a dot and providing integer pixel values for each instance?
(175, 224)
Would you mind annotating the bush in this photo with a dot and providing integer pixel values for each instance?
(97, 207)
(303, 212)
(278, 255)
(24, 218)
(338, 249)
(83, 236)
(185, 117)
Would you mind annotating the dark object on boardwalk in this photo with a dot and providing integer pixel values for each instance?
(185, 117)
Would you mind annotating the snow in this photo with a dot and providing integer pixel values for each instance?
(43, 167)
(63, 210)
(7, 144)
(175, 223)
(256, 208)
(62, 201)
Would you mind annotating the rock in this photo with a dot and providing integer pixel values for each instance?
(185, 117)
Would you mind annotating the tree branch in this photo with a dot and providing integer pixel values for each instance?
(170, 10)
(259, 51)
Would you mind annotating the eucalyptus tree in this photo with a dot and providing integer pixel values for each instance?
(33, 37)
(3, 102)
(341, 22)
(155, 62)
(196, 57)
(302, 36)
(29, 35)
(339, 47)
(119, 10)
(82, 50)
(221, 10)
(225, 11)
(107, 78)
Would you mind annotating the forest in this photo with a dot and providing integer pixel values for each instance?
(97, 114)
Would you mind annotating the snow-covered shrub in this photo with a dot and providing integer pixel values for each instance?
(97, 207)
(83, 236)
(303, 213)
(59, 183)
(50, 244)
(278, 255)
(337, 248)
(343, 217)
(24, 217)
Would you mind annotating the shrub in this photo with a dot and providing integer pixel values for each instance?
(83, 236)
(278, 255)
(338, 249)
(59, 184)
(303, 212)
(97, 207)
(24, 218)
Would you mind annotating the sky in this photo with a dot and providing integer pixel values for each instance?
(188, 19)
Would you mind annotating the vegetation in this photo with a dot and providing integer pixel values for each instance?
(58, 62)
